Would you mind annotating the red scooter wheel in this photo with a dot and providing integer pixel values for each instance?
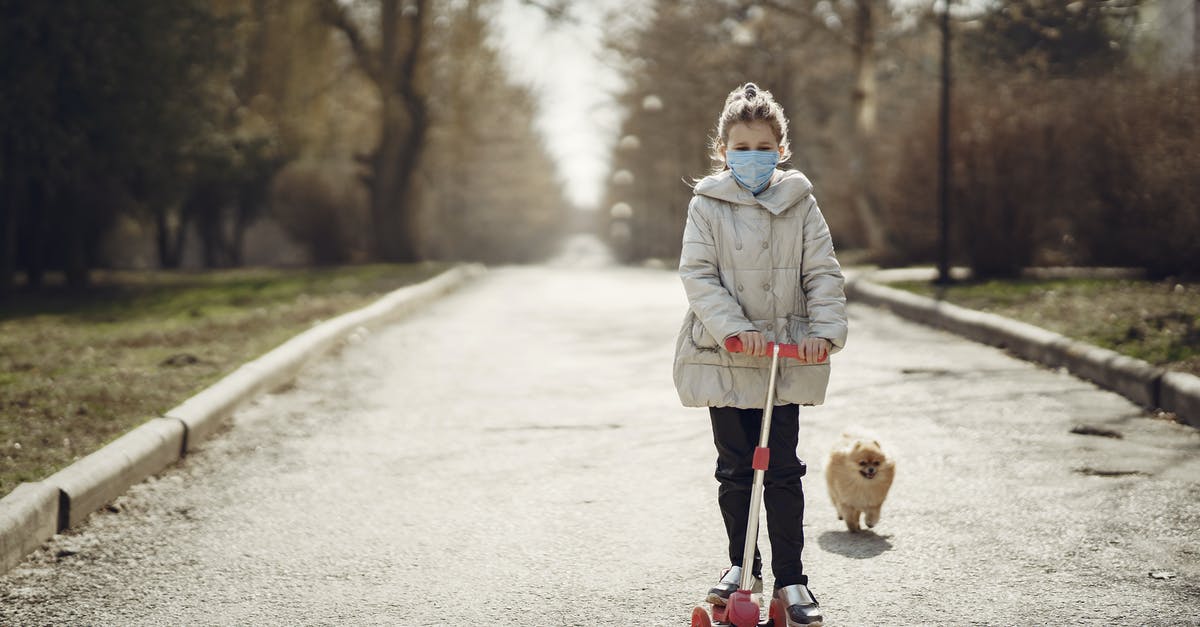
(778, 613)
(743, 611)
(700, 618)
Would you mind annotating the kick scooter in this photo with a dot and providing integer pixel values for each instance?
(741, 610)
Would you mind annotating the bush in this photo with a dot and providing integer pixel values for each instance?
(1097, 172)
(1139, 160)
(907, 189)
(324, 207)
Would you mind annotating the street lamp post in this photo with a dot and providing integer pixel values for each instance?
(944, 154)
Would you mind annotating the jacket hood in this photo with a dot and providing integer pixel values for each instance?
(787, 188)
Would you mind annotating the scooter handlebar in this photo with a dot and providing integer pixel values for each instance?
(734, 345)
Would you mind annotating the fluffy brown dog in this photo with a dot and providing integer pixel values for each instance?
(859, 475)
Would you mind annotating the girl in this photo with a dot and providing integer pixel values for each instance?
(758, 264)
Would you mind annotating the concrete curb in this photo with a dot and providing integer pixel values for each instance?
(34, 512)
(28, 517)
(1181, 393)
(102, 476)
(1141, 382)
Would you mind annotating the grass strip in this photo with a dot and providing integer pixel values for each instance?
(1158, 322)
(77, 370)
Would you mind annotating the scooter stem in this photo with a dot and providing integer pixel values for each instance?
(762, 456)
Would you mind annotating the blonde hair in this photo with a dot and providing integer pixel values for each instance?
(747, 104)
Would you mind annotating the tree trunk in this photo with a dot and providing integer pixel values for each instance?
(388, 205)
(10, 181)
(75, 263)
(410, 159)
(944, 153)
(395, 68)
(240, 224)
(864, 100)
(8, 242)
(162, 240)
(1196, 39)
(207, 227)
(35, 235)
(169, 242)
(212, 204)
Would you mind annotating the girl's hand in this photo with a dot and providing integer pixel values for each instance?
(753, 343)
(814, 350)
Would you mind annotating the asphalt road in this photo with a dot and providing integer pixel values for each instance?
(516, 455)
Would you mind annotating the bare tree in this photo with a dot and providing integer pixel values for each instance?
(393, 61)
(511, 206)
(864, 98)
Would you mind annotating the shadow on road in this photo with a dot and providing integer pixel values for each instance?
(861, 545)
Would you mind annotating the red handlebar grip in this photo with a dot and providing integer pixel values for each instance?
(734, 345)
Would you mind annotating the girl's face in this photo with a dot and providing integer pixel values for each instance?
(756, 135)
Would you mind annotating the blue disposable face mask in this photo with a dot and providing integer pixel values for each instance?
(752, 168)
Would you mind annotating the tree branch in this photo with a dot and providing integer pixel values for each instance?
(335, 15)
(797, 12)
(416, 31)
(556, 11)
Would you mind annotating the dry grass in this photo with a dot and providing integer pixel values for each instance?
(79, 370)
(1157, 321)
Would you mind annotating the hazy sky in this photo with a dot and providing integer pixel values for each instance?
(561, 60)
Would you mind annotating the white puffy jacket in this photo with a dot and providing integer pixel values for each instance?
(762, 263)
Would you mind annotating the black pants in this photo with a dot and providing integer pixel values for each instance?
(735, 432)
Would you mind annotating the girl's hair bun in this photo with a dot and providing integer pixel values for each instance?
(749, 103)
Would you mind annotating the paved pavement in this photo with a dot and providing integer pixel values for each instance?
(516, 455)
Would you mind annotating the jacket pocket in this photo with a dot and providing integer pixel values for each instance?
(801, 300)
(798, 327)
(700, 335)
